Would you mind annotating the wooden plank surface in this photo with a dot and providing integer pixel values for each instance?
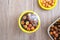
(10, 11)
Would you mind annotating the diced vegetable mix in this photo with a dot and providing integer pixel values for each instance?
(29, 21)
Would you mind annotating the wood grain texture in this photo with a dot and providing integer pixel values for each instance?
(10, 10)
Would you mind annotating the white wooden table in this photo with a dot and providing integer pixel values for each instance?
(10, 11)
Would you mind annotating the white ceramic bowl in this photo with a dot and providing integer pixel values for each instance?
(49, 28)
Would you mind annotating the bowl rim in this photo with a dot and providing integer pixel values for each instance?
(45, 7)
(25, 12)
(49, 28)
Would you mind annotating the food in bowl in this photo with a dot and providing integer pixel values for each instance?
(55, 30)
(29, 21)
(47, 3)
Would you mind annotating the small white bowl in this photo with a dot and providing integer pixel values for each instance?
(49, 28)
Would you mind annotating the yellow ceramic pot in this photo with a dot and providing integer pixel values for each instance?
(20, 26)
(46, 8)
